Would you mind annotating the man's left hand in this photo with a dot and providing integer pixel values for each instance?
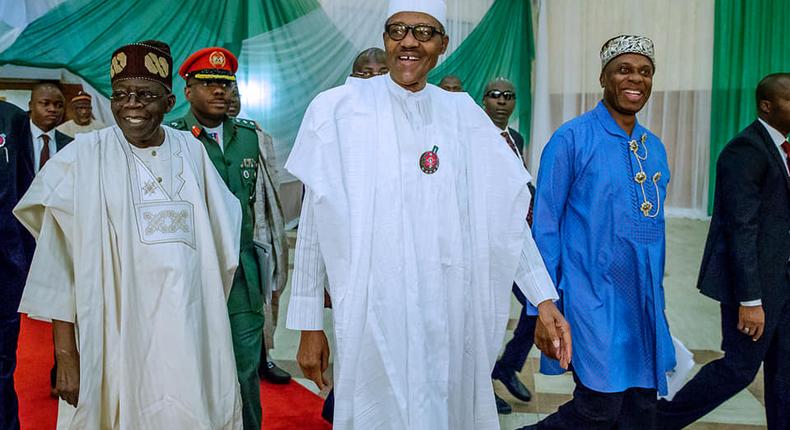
(553, 333)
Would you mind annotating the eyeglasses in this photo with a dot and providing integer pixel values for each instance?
(495, 94)
(144, 97)
(421, 32)
(218, 83)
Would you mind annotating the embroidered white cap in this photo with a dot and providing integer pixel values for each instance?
(434, 8)
(627, 44)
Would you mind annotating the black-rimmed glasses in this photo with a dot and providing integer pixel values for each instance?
(144, 97)
(422, 32)
(495, 94)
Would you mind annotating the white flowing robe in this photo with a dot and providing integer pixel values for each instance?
(142, 267)
(419, 266)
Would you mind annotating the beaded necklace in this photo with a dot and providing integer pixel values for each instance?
(641, 176)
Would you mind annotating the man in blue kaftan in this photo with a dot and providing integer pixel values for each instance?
(599, 225)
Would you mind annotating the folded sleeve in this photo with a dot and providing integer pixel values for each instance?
(531, 276)
(47, 211)
(306, 306)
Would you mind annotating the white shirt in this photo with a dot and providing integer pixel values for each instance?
(778, 139)
(38, 143)
(216, 134)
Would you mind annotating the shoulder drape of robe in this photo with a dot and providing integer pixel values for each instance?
(153, 331)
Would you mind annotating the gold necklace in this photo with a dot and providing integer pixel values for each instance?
(641, 176)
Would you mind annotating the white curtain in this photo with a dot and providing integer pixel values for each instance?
(569, 37)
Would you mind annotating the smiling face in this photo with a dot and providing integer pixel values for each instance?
(627, 82)
(46, 107)
(499, 109)
(140, 122)
(410, 60)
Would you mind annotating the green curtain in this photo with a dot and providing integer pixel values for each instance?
(80, 35)
(751, 40)
(501, 45)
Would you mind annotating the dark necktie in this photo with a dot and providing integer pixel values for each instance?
(510, 143)
(786, 148)
(44, 151)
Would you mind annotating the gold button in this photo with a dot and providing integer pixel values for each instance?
(153, 153)
(159, 179)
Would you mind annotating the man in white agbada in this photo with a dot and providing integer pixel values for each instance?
(415, 220)
(137, 237)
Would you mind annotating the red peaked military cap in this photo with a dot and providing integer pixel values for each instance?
(210, 63)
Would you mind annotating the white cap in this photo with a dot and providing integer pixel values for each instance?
(434, 8)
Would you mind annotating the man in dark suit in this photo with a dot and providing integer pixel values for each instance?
(16, 248)
(499, 100)
(746, 267)
(46, 112)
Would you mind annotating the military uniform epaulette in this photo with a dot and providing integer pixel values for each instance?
(246, 123)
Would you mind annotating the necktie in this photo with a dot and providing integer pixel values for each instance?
(44, 151)
(510, 143)
(786, 148)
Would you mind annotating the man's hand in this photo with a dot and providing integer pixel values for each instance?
(553, 333)
(751, 321)
(67, 381)
(313, 356)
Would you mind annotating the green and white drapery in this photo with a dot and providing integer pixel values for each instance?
(752, 40)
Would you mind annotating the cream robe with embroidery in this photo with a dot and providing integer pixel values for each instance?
(143, 268)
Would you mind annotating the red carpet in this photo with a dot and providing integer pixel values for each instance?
(284, 406)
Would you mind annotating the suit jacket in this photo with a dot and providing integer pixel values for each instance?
(61, 140)
(16, 174)
(748, 246)
(518, 139)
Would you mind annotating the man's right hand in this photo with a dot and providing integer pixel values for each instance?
(67, 380)
(553, 333)
(313, 356)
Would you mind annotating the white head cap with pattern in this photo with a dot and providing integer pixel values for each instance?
(627, 44)
(434, 8)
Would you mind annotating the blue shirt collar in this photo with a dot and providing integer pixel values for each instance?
(611, 126)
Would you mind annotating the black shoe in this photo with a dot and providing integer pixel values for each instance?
(510, 380)
(271, 373)
(502, 407)
(529, 427)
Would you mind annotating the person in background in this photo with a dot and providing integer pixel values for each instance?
(83, 120)
(46, 112)
(369, 63)
(236, 149)
(451, 83)
(746, 267)
(499, 100)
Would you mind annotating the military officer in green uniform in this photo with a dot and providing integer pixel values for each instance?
(236, 148)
